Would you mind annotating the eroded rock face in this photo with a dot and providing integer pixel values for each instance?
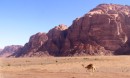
(56, 37)
(103, 30)
(42, 44)
(30, 49)
(8, 50)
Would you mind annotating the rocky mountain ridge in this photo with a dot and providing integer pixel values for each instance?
(102, 31)
(9, 50)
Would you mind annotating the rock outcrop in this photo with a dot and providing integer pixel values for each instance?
(42, 44)
(56, 38)
(8, 50)
(30, 49)
(102, 31)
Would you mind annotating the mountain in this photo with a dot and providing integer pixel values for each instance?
(102, 31)
(43, 44)
(56, 40)
(30, 49)
(1, 49)
(8, 50)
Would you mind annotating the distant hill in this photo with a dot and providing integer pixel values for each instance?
(1, 50)
(105, 30)
(8, 50)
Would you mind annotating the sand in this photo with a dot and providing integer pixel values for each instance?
(65, 67)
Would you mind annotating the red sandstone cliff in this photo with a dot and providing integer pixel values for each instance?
(56, 37)
(102, 31)
(30, 49)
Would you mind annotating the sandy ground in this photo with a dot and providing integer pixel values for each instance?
(65, 67)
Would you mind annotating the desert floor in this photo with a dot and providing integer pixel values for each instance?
(65, 67)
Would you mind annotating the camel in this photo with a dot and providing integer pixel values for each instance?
(89, 67)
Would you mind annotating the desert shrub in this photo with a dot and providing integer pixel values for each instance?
(41, 63)
(96, 59)
(56, 61)
(85, 58)
(28, 61)
(8, 64)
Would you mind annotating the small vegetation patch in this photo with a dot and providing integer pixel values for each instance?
(28, 61)
(85, 58)
(56, 61)
(8, 64)
(41, 63)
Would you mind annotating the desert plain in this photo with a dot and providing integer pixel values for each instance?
(65, 67)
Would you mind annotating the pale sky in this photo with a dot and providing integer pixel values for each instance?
(19, 19)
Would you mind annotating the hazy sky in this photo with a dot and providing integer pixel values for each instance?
(19, 19)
